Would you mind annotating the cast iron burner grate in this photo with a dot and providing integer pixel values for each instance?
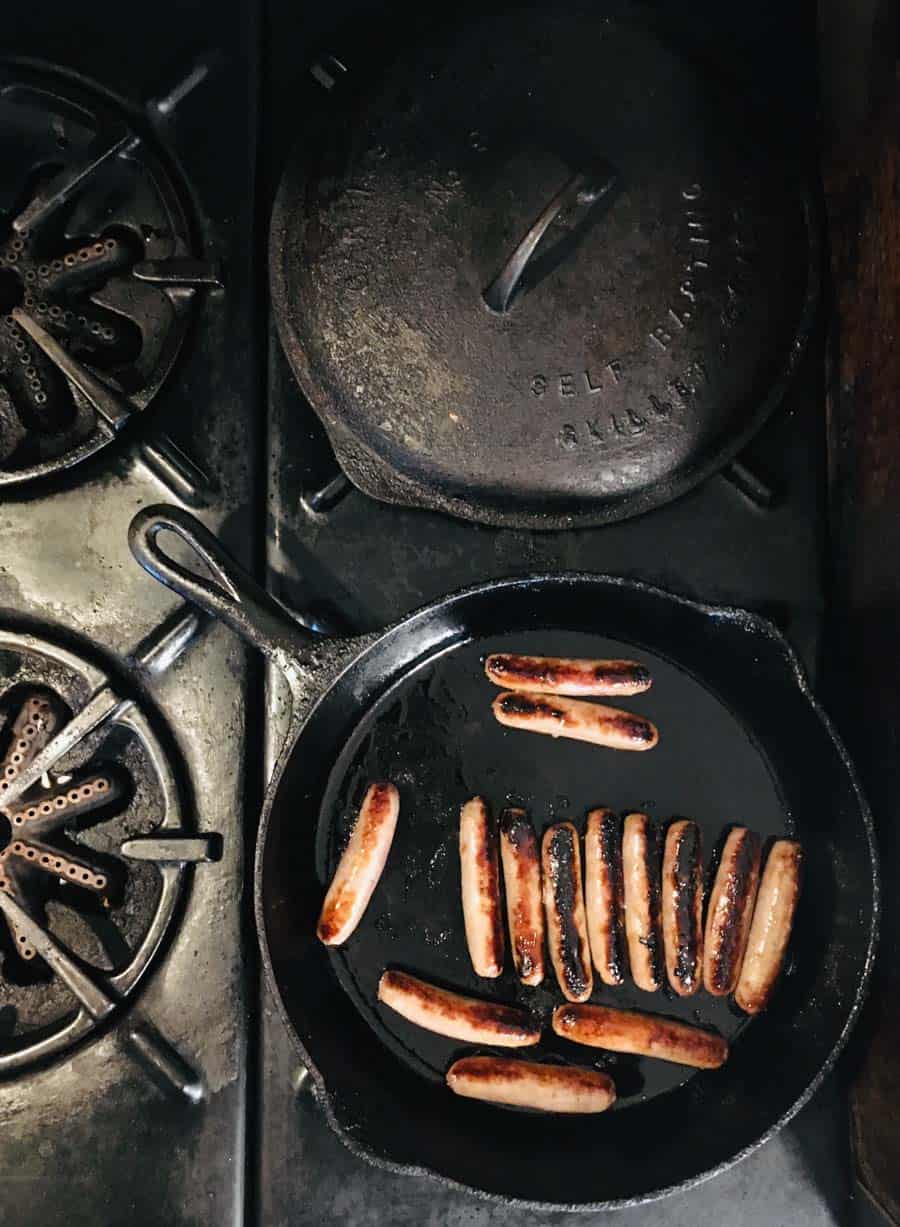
(93, 847)
(97, 267)
(41, 850)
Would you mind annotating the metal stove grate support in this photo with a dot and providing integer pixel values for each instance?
(68, 766)
(98, 269)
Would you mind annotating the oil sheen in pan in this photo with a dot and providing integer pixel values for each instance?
(434, 736)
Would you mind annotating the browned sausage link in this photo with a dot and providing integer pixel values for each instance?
(524, 903)
(773, 918)
(564, 905)
(575, 719)
(604, 895)
(480, 874)
(682, 907)
(640, 871)
(730, 911)
(566, 675)
(361, 865)
(644, 1035)
(451, 1014)
(528, 1084)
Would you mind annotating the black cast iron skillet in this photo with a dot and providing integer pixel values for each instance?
(742, 739)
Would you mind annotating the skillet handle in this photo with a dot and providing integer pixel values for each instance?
(233, 595)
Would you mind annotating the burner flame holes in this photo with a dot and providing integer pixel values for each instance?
(33, 870)
(69, 801)
(56, 289)
(28, 866)
(80, 213)
(67, 857)
(38, 715)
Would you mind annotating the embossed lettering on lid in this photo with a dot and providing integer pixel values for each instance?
(554, 276)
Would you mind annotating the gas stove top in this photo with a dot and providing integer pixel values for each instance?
(128, 373)
(144, 1073)
(97, 272)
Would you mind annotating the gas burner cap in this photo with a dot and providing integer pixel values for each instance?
(87, 206)
(93, 854)
(544, 272)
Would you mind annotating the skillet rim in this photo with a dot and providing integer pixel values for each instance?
(750, 622)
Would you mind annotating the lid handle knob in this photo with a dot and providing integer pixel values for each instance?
(585, 188)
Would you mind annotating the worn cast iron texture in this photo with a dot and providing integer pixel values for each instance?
(372, 563)
(668, 253)
(89, 203)
(77, 858)
(411, 705)
(123, 1128)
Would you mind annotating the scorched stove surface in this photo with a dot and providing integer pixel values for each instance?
(755, 537)
(123, 1074)
(183, 1103)
(96, 265)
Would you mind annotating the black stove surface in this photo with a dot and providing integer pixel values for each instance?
(230, 1135)
(142, 1118)
(754, 536)
(718, 544)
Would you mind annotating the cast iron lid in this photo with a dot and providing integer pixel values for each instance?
(546, 272)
